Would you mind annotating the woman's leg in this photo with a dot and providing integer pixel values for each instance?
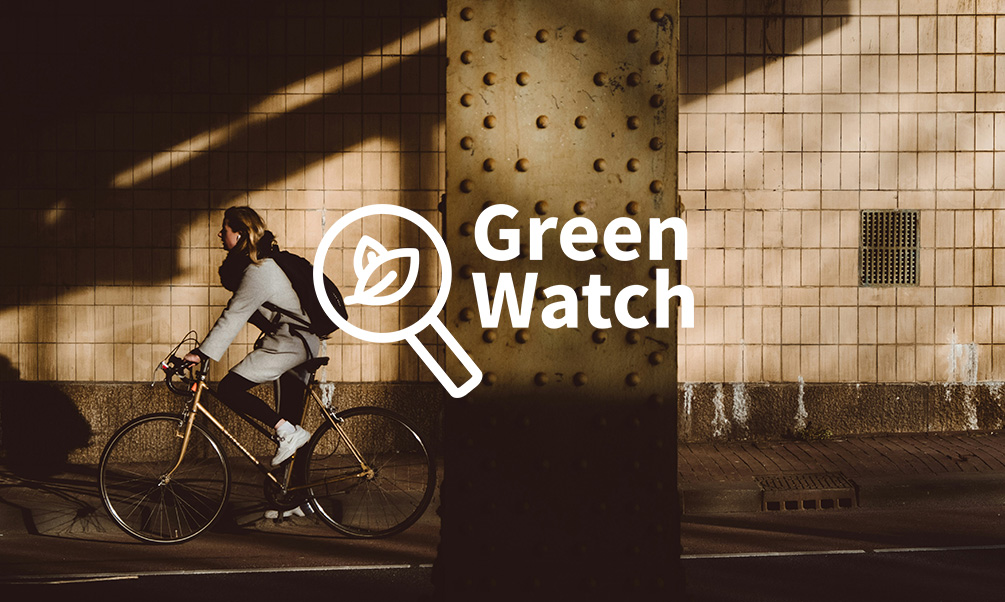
(291, 398)
(233, 391)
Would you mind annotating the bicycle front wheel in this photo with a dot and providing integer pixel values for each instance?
(146, 501)
(369, 475)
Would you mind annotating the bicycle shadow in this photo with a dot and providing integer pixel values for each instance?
(66, 506)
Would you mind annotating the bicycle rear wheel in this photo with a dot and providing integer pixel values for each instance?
(145, 502)
(385, 494)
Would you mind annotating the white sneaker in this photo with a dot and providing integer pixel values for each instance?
(290, 443)
(274, 514)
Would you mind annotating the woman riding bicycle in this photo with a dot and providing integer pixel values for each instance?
(255, 279)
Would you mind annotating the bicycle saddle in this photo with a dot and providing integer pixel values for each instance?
(313, 364)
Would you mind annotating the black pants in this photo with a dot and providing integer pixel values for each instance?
(234, 392)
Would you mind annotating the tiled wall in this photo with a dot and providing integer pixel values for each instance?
(796, 116)
(127, 128)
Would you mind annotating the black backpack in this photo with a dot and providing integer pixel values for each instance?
(301, 275)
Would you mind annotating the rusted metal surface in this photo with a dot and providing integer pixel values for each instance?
(560, 469)
(561, 115)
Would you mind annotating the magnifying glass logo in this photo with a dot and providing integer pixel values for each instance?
(367, 258)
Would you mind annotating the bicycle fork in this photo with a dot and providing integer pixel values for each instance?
(185, 436)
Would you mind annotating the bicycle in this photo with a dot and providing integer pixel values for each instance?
(365, 471)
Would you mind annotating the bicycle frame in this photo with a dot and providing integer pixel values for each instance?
(195, 407)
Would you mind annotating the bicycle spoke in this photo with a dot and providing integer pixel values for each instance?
(386, 509)
(182, 502)
(140, 502)
(179, 506)
(404, 491)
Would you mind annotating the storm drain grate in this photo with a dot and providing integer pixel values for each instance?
(818, 491)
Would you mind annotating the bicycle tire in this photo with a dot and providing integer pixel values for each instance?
(387, 500)
(137, 497)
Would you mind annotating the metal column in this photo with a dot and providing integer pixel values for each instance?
(561, 467)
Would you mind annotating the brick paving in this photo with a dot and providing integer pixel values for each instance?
(925, 454)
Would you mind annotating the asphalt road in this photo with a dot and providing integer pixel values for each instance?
(923, 576)
(944, 554)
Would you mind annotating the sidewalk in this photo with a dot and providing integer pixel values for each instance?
(899, 470)
(865, 471)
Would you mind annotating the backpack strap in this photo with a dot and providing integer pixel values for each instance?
(259, 320)
(296, 328)
(303, 324)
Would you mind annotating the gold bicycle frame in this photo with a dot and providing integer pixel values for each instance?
(197, 408)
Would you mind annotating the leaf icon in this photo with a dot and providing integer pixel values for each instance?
(367, 259)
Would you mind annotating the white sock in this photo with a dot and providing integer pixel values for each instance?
(285, 429)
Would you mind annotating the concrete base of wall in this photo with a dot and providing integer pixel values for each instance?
(772, 410)
(43, 425)
(46, 424)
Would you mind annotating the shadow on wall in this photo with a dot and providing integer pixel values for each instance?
(192, 96)
(93, 91)
(39, 425)
(772, 30)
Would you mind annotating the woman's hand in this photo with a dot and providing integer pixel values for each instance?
(193, 358)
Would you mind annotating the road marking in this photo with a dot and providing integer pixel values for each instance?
(945, 549)
(66, 581)
(841, 552)
(80, 578)
(769, 554)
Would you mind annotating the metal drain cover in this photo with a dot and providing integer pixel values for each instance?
(815, 491)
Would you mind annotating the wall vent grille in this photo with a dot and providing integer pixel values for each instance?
(888, 255)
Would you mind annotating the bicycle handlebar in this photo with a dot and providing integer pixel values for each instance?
(176, 366)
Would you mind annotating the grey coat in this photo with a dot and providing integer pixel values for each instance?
(280, 351)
